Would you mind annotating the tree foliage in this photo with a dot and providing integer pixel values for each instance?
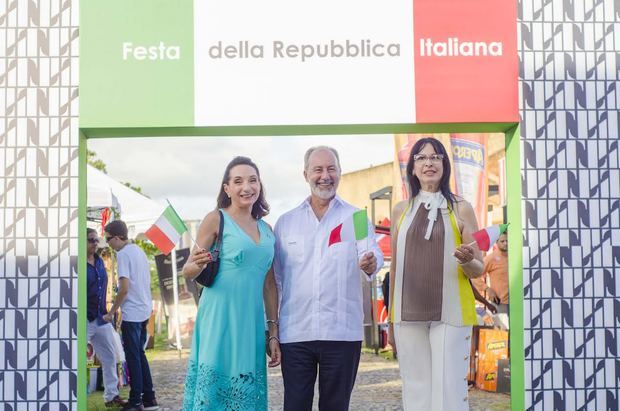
(134, 188)
(91, 158)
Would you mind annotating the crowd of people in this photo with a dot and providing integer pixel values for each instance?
(135, 302)
(294, 292)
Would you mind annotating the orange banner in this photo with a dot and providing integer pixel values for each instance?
(469, 166)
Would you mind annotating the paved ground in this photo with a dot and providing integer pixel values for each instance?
(377, 386)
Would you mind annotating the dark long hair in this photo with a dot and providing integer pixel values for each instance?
(260, 207)
(444, 183)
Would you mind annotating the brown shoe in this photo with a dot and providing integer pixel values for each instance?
(117, 402)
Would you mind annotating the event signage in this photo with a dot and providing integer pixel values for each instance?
(164, 274)
(470, 160)
(203, 63)
(187, 298)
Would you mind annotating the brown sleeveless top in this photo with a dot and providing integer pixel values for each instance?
(423, 270)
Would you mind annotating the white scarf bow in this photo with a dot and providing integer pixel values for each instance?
(432, 202)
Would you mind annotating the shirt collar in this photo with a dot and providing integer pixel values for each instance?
(96, 257)
(333, 202)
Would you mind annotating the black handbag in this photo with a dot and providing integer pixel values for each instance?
(207, 275)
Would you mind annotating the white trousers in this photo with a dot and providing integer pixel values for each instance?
(102, 339)
(434, 361)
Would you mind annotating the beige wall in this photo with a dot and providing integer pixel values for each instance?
(355, 188)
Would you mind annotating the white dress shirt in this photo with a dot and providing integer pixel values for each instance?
(320, 286)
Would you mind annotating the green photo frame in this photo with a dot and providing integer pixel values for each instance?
(514, 195)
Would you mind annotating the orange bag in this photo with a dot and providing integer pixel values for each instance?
(492, 346)
(486, 377)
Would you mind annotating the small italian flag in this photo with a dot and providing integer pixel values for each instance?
(486, 237)
(166, 231)
(355, 227)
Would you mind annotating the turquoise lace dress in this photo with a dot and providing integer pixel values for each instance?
(227, 365)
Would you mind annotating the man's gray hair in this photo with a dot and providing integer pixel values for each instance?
(319, 148)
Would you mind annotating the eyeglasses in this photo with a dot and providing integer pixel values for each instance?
(107, 239)
(93, 240)
(423, 158)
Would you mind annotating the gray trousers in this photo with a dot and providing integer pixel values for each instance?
(102, 339)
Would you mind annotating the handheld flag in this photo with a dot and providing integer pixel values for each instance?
(167, 230)
(360, 224)
(354, 228)
(486, 237)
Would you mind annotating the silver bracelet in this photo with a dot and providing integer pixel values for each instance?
(274, 322)
(273, 337)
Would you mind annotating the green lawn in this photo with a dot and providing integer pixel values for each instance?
(95, 400)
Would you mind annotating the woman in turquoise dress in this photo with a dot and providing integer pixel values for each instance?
(227, 365)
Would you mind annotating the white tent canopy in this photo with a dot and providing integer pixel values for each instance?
(137, 211)
(102, 197)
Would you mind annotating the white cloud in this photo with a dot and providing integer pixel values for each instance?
(188, 170)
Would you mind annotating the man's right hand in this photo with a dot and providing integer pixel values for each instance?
(276, 354)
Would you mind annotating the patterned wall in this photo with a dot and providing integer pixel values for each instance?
(570, 66)
(38, 204)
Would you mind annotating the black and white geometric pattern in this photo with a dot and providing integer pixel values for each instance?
(570, 67)
(38, 205)
(569, 81)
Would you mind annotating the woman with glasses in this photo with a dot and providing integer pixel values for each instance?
(227, 367)
(432, 309)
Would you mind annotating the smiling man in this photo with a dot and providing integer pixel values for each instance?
(321, 315)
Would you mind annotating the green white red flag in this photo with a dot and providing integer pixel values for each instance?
(167, 230)
(352, 229)
(486, 237)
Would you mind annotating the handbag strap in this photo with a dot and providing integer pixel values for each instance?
(218, 243)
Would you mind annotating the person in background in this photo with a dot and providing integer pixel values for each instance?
(101, 333)
(135, 301)
(432, 303)
(496, 270)
(319, 276)
(226, 368)
(385, 290)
